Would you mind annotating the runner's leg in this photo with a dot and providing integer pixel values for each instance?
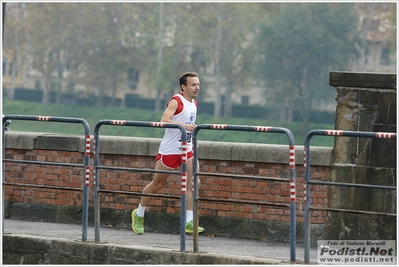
(157, 183)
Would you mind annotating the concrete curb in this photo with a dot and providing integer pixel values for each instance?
(31, 249)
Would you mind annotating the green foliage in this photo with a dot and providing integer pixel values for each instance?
(308, 37)
(300, 46)
(94, 114)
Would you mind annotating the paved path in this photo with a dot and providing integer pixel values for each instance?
(219, 245)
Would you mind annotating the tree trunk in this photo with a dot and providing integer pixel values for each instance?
(61, 63)
(113, 96)
(158, 79)
(14, 67)
(289, 107)
(58, 96)
(100, 97)
(59, 77)
(46, 91)
(290, 113)
(282, 111)
(218, 104)
(305, 121)
(228, 105)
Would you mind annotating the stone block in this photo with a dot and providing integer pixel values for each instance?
(57, 142)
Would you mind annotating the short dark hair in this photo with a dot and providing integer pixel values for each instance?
(183, 78)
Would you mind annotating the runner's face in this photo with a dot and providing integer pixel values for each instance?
(192, 87)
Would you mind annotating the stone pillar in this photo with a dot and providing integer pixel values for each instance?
(365, 102)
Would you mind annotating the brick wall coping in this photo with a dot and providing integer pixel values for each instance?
(383, 81)
(209, 150)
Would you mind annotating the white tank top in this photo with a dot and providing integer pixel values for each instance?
(185, 113)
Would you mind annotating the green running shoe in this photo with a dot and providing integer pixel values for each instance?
(190, 228)
(137, 223)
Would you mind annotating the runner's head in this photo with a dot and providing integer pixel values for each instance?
(183, 78)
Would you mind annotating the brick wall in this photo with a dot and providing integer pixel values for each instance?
(210, 187)
(43, 175)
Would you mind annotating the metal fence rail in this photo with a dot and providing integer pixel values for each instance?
(308, 182)
(85, 164)
(97, 167)
(291, 181)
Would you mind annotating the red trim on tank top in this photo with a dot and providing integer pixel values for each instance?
(180, 104)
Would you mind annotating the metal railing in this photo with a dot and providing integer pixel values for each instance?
(97, 167)
(85, 165)
(183, 172)
(291, 181)
(308, 182)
